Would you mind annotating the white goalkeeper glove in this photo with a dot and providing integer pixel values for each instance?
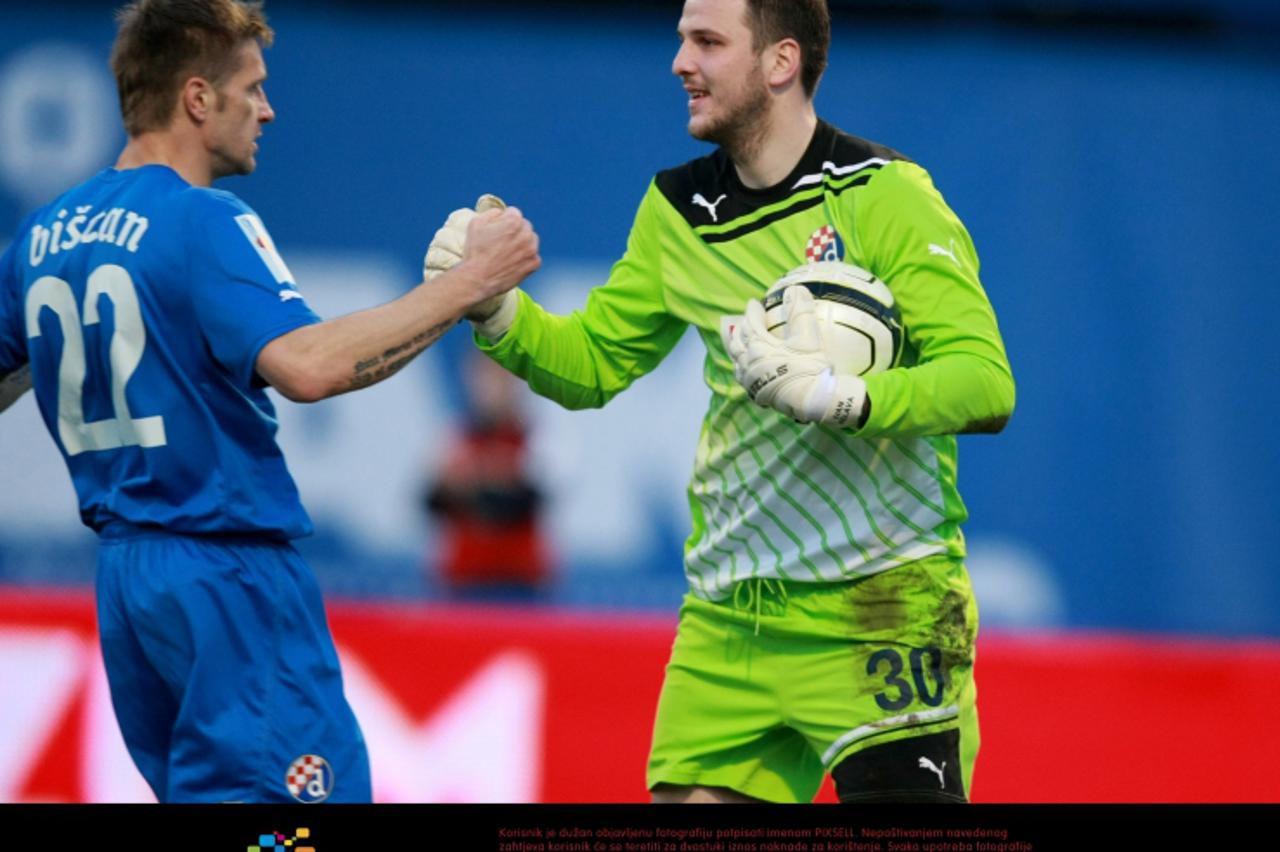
(791, 374)
(494, 315)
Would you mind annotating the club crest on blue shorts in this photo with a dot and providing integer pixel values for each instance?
(309, 779)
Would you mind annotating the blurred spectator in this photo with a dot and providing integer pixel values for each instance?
(489, 512)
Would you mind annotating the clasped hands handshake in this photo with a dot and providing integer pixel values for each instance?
(501, 244)
(788, 373)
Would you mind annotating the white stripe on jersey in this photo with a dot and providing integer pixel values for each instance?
(808, 504)
(832, 169)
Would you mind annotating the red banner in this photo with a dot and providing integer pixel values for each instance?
(519, 705)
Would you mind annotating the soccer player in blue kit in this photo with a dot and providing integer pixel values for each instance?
(149, 312)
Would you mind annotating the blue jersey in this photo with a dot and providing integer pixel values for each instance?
(141, 303)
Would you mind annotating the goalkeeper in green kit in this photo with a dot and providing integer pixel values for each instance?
(829, 624)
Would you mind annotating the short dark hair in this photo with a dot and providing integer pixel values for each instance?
(161, 43)
(806, 21)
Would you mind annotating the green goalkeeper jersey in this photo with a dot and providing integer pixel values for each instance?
(770, 497)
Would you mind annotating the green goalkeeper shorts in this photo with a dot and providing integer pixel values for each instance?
(784, 681)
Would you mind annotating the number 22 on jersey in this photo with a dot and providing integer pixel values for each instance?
(128, 341)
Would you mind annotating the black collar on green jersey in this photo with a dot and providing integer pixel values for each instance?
(713, 200)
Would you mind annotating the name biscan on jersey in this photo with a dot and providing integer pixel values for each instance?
(119, 226)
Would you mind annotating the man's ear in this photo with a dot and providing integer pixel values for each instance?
(782, 63)
(198, 99)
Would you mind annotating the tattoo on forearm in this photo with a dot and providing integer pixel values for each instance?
(396, 350)
(373, 370)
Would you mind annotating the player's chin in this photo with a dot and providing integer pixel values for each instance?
(701, 128)
(234, 166)
(705, 130)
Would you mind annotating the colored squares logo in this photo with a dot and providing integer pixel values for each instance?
(277, 842)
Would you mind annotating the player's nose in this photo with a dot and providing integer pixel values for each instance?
(265, 113)
(682, 64)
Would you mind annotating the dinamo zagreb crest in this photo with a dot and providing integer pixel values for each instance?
(824, 244)
(309, 779)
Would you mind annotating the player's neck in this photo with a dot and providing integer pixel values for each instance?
(163, 148)
(787, 134)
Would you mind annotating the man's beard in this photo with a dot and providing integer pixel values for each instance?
(228, 163)
(228, 166)
(741, 132)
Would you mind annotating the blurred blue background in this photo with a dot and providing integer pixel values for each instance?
(1116, 162)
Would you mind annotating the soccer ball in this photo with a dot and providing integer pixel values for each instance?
(858, 321)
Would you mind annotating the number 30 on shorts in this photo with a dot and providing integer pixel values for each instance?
(928, 680)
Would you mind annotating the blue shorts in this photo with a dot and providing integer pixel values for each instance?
(223, 674)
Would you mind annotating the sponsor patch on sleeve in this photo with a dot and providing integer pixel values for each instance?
(258, 237)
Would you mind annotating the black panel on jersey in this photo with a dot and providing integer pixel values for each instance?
(765, 221)
(917, 769)
(722, 197)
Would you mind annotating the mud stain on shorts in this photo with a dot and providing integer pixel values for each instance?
(880, 603)
(953, 629)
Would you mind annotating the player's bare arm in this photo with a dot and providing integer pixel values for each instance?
(361, 349)
(14, 385)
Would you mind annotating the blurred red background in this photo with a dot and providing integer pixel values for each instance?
(563, 703)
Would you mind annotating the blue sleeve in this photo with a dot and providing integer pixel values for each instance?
(244, 295)
(13, 333)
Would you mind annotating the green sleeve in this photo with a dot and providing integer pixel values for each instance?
(583, 360)
(954, 375)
